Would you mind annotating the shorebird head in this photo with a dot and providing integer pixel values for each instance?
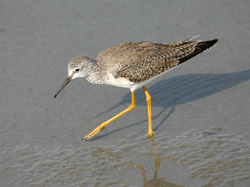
(78, 67)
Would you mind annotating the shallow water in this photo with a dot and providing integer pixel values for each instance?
(214, 158)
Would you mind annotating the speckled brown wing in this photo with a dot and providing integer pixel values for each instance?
(143, 71)
(140, 61)
(155, 62)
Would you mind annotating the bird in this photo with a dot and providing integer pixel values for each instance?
(133, 65)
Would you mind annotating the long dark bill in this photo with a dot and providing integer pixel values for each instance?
(63, 85)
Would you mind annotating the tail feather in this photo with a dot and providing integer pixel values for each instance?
(199, 48)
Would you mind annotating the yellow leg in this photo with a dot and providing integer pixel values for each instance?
(148, 99)
(104, 124)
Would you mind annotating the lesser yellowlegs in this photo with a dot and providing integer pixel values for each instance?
(133, 65)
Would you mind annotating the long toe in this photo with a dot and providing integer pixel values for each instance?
(92, 134)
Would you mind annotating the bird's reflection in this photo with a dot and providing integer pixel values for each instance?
(155, 181)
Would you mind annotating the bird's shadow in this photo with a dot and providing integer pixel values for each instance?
(180, 90)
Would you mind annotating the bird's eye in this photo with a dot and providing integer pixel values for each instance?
(77, 69)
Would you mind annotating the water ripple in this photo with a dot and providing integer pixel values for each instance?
(219, 159)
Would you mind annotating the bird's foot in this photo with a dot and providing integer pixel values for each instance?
(151, 137)
(151, 133)
(93, 133)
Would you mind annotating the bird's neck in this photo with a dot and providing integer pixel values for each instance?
(94, 75)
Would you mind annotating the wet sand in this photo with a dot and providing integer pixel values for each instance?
(200, 109)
